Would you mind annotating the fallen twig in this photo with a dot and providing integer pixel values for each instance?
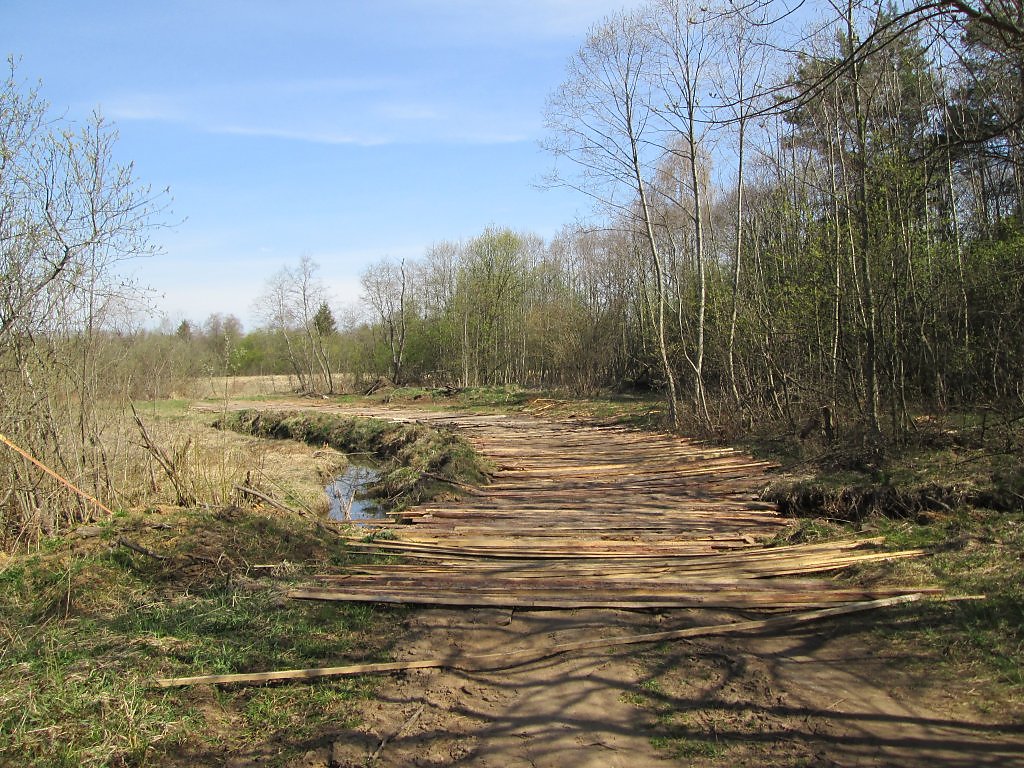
(405, 726)
(286, 491)
(167, 558)
(283, 507)
(186, 498)
(464, 486)
(142, 550)
(267, 499)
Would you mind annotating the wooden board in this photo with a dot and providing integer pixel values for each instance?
(580, 516)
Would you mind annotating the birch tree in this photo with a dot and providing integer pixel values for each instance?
(289, 305)
(602, 122)
(387, 288)
(740, 77)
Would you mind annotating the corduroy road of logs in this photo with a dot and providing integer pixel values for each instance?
(588, 516)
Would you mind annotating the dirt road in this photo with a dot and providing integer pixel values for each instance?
(826, 695)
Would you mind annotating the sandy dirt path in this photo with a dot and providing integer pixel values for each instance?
(826, 695)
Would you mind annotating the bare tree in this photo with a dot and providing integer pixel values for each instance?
(387, 288)
(601, 120)
(686, 53)
(742, 73)
(69, 216)
(289, 305)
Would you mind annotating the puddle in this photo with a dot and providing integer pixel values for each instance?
(346, 495)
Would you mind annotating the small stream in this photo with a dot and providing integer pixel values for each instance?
(346, 494)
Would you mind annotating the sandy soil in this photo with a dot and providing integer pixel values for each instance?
(820, 697)
(827, 695)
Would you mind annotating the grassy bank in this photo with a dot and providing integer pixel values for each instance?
(89, 618)
(970, 551)
(88, 621)
(417, 461)
(955, 488)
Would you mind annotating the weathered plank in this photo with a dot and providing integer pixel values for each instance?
(608, 516)
(517, 657)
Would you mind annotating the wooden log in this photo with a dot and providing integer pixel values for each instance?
(509, 659)
(655, 574)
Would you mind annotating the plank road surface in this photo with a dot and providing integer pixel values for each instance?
(580, 516)
(616, 532)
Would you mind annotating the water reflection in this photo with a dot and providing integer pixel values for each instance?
(346, 495)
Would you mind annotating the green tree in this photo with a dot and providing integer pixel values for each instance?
(324, 322)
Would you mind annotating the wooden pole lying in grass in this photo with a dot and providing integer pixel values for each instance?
(508, 659)
(267, 499)
(63, 480)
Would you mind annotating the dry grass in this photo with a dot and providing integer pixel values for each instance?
(221, 387)
(211, 463)
(213, 387)
(86, 620)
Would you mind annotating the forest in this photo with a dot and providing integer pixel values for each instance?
(808, 218)
(778, 233)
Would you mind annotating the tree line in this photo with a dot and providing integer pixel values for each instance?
(794, 218)
(790, 224)
(778, 233)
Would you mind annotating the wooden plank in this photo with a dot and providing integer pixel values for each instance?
(724, 599)
(749, 558)
(603, 515)
(513, 658)
(489, 584)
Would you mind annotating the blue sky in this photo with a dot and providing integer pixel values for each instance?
(348, 131)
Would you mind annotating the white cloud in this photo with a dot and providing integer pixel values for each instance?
(444, 134)
(313, 137)
(467, 75)
(365, 122)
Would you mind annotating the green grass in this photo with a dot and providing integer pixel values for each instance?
(970, 552)
(84, 627)
(672, 733)
(974, 552)
(954, 487)
(687, 748)
(494, 397)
